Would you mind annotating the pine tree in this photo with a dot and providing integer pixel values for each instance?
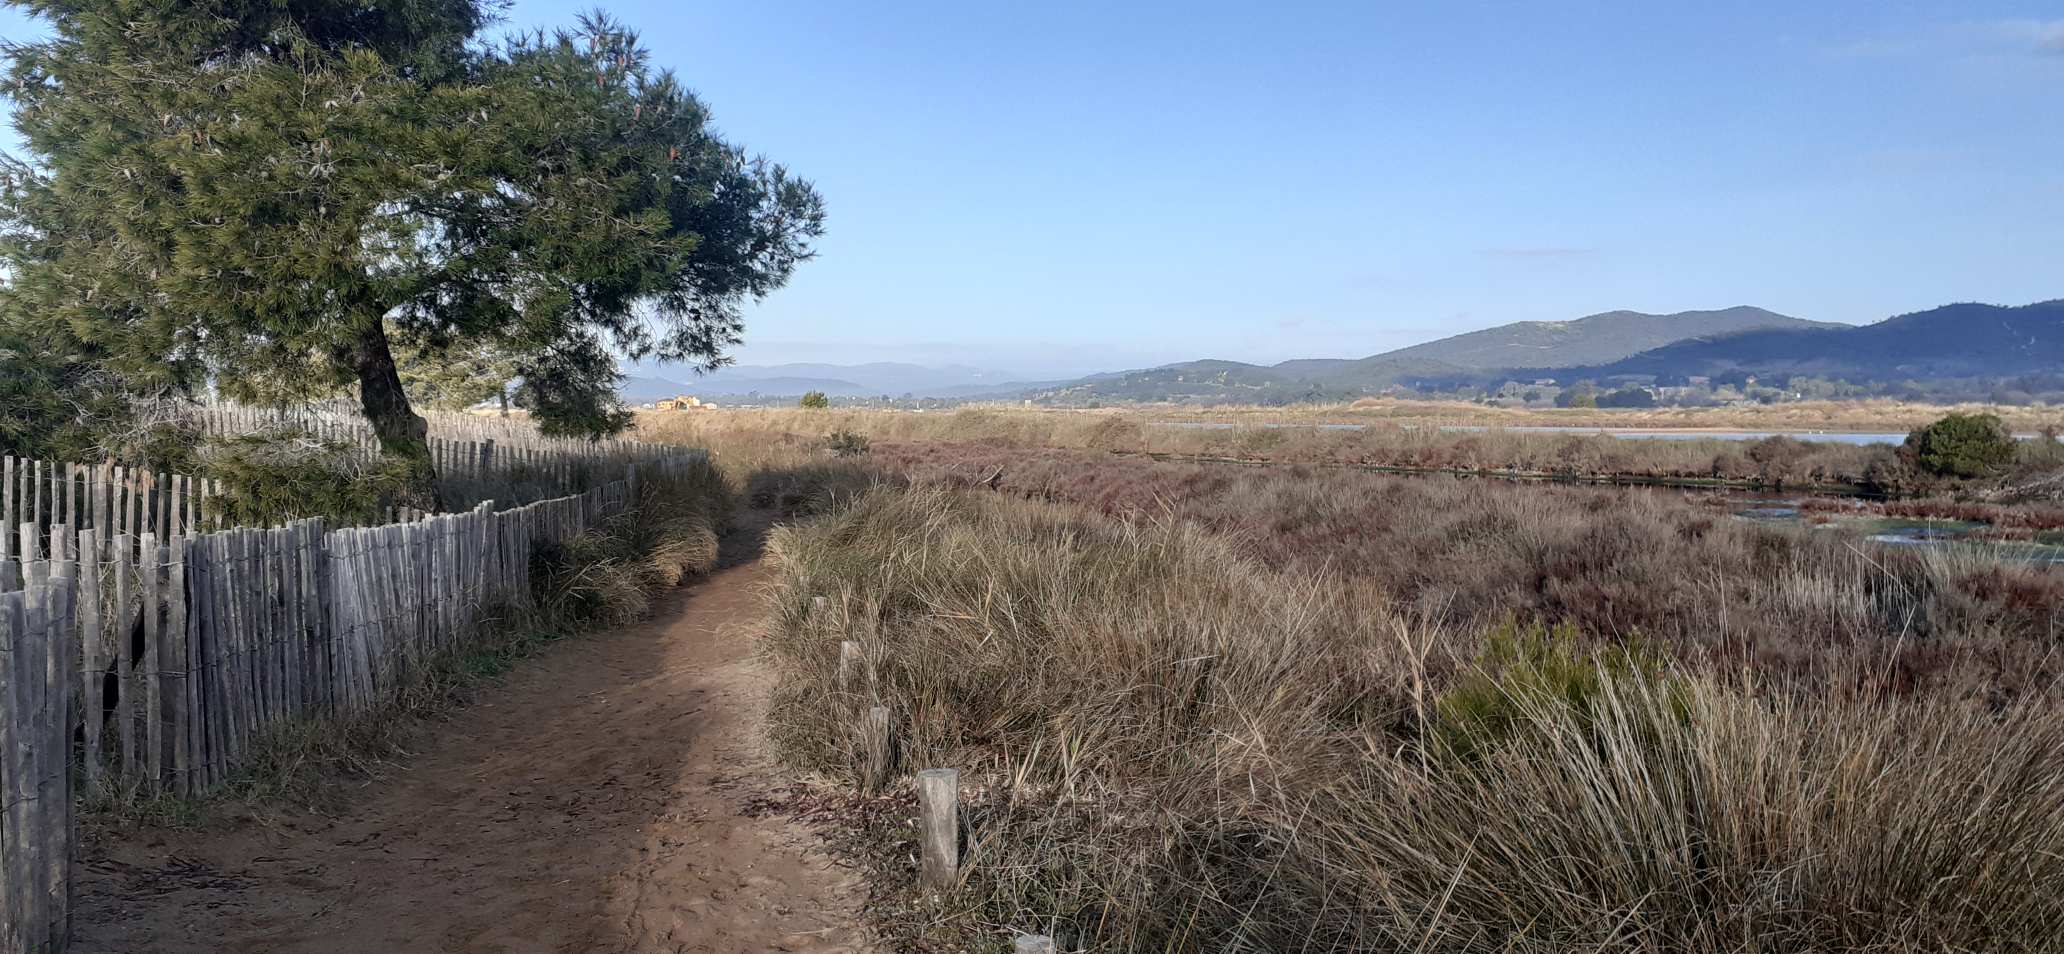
(451, 377)
(265, 194)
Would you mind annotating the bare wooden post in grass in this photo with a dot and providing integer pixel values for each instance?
(848, 663)
(1034, 944)
(938, 825)
(878, 749)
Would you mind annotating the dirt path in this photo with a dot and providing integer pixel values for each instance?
(593, 803)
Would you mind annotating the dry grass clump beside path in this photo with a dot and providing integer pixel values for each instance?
(1174, 746)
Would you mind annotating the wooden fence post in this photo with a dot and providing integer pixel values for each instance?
(91, 642)
(9, 518)
(938, 825)
(124, 659)
(17, 745)
(179, 657)
(57, 793)
(151, 564)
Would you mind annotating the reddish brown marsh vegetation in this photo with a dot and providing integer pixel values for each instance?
(1213, 707)
(1174, 745)
(1616, 563)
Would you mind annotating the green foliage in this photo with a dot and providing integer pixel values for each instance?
(290, 475)
(252, 194)
(58, 403)
(1581, 394)
(1525, 669)
(844, 443)
(573, 393)
(814, 400)
(1628, 397)
(1962, 445)
(54, 404)
(449, 376)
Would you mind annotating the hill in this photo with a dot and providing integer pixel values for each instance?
(1594, 339)
(1590, 340)
(1966, 340)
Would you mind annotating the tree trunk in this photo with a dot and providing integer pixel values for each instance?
(403, 434)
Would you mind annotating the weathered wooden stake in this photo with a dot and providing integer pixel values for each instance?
(878, 749)
(848, 663)
(938, 823)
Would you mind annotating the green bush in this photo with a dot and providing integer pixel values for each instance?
(844, 443)
(1628, 397)
(814, 400)
(1962, 445)
(269, 479)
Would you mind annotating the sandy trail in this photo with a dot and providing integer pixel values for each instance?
(593, 802)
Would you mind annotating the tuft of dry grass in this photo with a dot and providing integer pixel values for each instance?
(1175, 746)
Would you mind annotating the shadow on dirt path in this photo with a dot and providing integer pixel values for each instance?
(593, 802)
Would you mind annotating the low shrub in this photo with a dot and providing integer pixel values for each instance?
(1962, 445)
(844, 443)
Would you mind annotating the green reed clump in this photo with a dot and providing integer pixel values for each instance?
(1525, 667)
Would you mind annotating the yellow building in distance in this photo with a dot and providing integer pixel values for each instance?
(683, 403)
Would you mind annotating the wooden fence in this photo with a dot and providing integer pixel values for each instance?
(516, 467)
(37, 832)
(452, 434)
(477, 458)
(104, 497)
(159, 661)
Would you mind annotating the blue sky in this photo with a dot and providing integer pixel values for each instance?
(1063, 187)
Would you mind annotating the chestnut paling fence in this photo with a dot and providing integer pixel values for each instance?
(152, 655)
(476, 459)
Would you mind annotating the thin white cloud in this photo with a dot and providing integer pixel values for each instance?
(2045, 37)
(1974, 38)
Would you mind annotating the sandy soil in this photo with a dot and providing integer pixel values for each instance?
(593, 803)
